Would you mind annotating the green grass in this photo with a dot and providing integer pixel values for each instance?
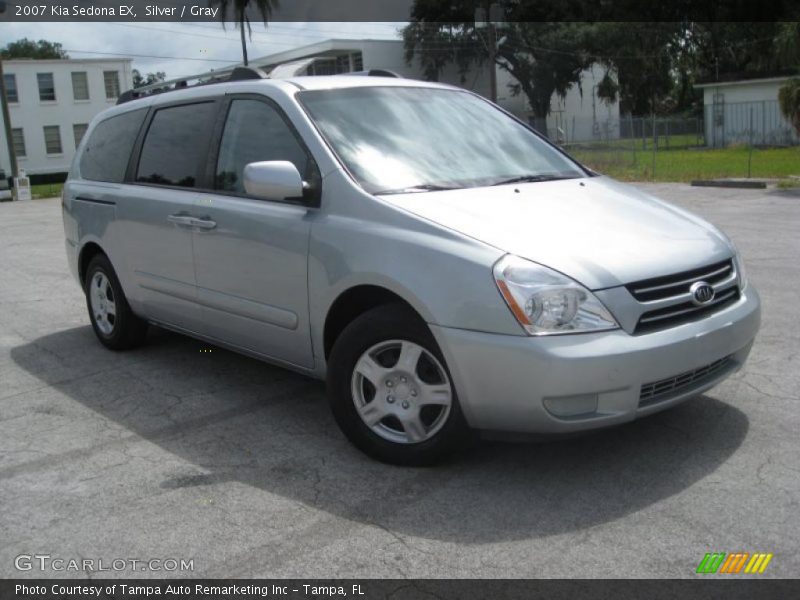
(622, 162)
(787, 184)
(686, 165)
(46, 190)
(671, 142)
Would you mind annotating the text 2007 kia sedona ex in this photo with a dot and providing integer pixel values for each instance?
(444, 267)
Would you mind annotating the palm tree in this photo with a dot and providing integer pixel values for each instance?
(239, 10)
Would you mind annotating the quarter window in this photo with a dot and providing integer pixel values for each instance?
(80, 85)
(175, 149)
(78, 131)
(107, 151)
(10, 83)
(18, 137)
(111, 80)
(255, 131)
(52, 139)
(47, 89)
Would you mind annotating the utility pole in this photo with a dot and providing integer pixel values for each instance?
(12, 156)
(488, 17)
(492, 55)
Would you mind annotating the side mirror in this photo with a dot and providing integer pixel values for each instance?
(273, 180)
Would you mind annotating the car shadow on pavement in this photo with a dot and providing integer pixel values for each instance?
(232, 418)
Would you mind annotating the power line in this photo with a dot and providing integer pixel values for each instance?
(213, 37)
(287, 31)
(258, 42)
(522, 46)
(129, 54)
(256, 34)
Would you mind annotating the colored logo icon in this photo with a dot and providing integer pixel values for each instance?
(734, 563)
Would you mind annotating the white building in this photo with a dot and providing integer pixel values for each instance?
(51, 102)
(745, 111)
(580, 116)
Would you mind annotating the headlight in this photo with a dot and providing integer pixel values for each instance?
(738, 264)
(546, 302)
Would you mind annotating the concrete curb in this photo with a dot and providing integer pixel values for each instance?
(730, 183)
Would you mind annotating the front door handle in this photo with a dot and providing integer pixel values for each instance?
(181, 219)
(204, 223)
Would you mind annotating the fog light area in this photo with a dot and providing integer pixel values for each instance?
(571, 406)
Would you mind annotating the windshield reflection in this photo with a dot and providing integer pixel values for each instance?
(394, 139)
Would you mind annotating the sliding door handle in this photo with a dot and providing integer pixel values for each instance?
(205, 223)
(179, 219)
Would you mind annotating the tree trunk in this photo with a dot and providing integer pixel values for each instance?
(540, 105)
(244, 41)
(540, 123)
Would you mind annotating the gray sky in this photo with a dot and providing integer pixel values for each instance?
(208, 44)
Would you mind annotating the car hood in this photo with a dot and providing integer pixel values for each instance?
(599, 232)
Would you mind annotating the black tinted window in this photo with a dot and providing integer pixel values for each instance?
(108, 149)
(254, 131)
(176, 144)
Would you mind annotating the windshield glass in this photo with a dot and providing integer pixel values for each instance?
(405, 139)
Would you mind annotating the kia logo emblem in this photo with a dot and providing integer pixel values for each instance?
(702, 293)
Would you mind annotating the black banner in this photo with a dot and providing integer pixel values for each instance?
(395, 589)
(397, 10)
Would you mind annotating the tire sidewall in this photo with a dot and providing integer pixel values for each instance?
(117, 336)
(376, 326)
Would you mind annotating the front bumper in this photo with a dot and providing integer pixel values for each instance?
(561, 384)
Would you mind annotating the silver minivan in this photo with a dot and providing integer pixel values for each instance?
(443, 266)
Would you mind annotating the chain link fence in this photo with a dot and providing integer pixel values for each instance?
(733, 140)
(751, 123)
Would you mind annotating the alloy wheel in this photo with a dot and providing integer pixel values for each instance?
(401, 391)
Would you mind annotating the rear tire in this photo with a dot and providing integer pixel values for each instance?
(112, 319)
(391, 392)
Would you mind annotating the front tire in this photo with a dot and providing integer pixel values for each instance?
(391, 392)
(112, 319)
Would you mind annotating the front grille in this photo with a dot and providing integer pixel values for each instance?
(670, 387)
(667, 300)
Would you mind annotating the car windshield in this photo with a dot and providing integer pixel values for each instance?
(414, 139)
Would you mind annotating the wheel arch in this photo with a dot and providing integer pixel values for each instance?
(88, 251)
(353, 302)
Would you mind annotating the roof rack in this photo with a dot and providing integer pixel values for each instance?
(210, 78)
(375, 73)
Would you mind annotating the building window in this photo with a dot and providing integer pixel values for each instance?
(52, 139)
(343, 64)
(18, 138)
(358, 61)
(10, 83)
(111, 79)
(47, 89)
(327, 66)
(80, 85)
(78, 130)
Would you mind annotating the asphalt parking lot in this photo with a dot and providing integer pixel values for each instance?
(172, 452)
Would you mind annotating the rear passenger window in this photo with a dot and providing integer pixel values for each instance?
(255, 131)
(174, 150)
(108, 149)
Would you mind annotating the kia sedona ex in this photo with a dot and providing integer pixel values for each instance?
(441, 265)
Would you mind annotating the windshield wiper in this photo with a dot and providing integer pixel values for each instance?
(425, 187)
(532, 179)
